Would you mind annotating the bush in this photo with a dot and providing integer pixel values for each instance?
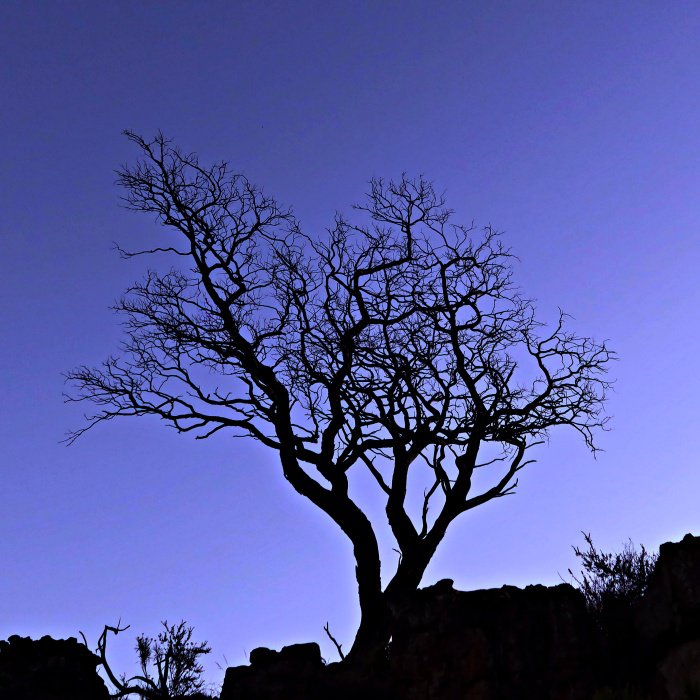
(169, 664)
(609, 580)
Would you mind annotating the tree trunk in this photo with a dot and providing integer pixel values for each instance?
(369, 649)
(378, 615)
(374, 632)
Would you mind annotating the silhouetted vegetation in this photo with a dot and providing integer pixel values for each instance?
(398, 343)
(612, 579)
(169, 664)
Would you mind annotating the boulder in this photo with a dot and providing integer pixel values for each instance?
(290, 673)
(667, 622)
(49, 669)
(669, 612)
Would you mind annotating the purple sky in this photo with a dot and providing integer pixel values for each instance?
(573, 127)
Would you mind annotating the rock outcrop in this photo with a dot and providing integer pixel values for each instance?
(508, 642)
(667, 621)
(501, 643)
(49, 669)
(292, 672)
(669, 613)
(511, 643)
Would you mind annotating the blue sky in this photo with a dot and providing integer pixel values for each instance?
(573, 127)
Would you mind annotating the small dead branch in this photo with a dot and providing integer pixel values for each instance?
(339, 647)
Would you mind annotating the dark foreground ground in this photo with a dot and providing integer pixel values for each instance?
(535, 643)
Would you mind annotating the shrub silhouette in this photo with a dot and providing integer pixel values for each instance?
(169, 664)
(610, 580)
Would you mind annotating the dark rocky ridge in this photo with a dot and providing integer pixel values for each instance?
(494, 643)
(509, 644)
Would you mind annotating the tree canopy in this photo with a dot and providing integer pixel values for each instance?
(396, 341)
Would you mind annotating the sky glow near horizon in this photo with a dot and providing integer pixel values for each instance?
(573, 129)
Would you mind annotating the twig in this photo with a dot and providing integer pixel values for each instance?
(339, 647)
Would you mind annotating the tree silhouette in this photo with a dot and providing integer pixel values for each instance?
(397, 344)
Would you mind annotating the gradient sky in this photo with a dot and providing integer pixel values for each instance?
(573, 127)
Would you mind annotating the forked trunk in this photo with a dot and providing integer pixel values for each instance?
(378, 613)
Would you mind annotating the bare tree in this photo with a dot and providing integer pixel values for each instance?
(169, 664)
(397, 344)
